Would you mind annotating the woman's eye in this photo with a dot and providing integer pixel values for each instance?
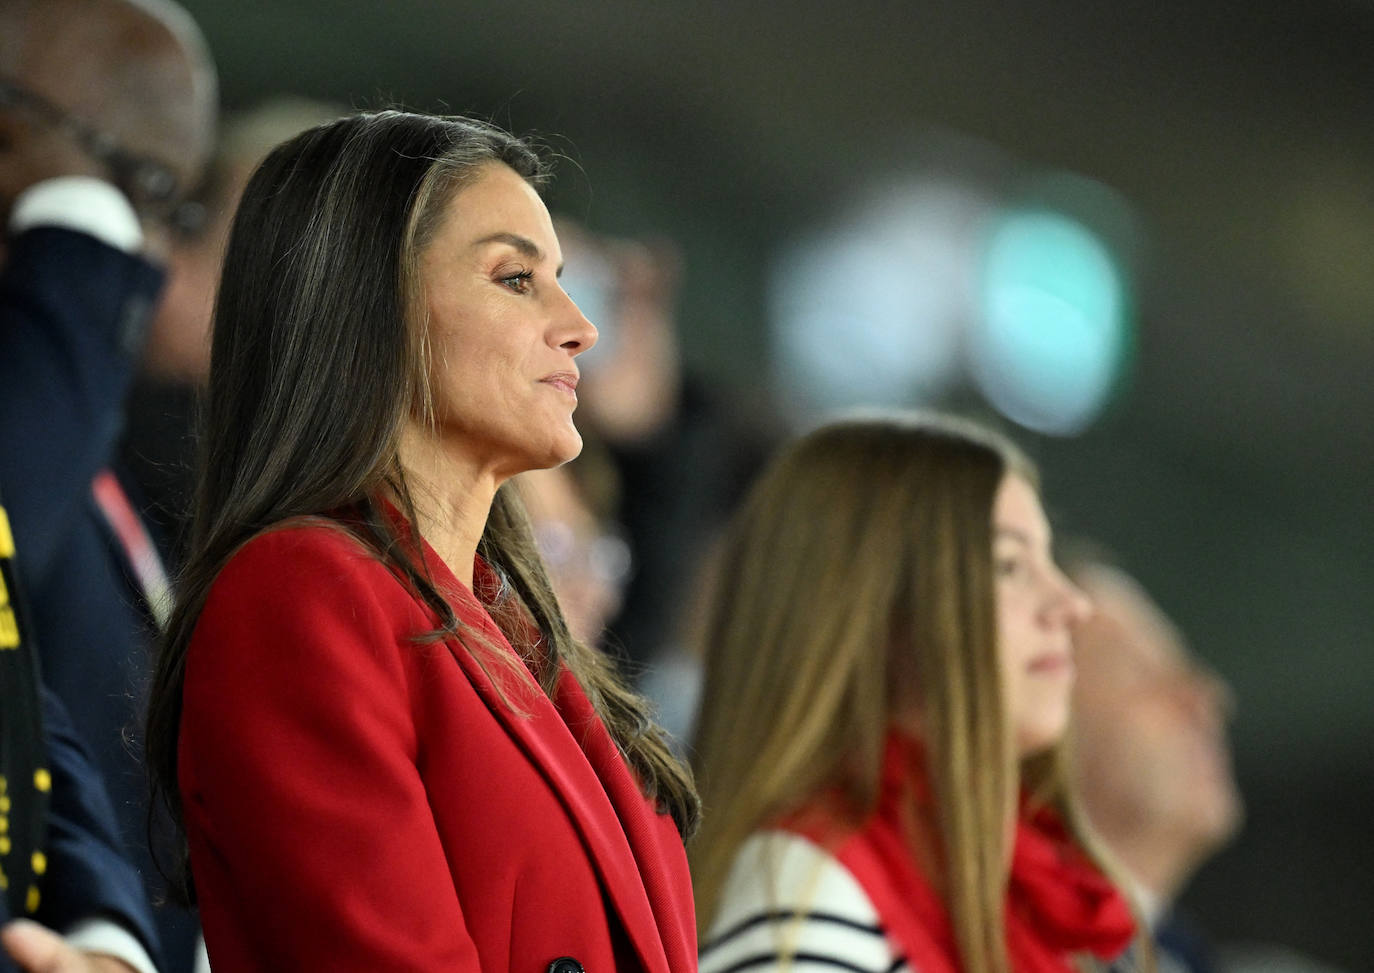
(520, 283)
(1006, 567)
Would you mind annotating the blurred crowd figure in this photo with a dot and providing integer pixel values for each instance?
(1151, 756)
(179, 337)
(108, 110)
(1152, 763)
(682, 450)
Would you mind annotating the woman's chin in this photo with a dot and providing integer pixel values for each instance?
(569, 448)
(562, 450)
(1033, 740)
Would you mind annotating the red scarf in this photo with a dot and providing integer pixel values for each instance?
(1058, 904)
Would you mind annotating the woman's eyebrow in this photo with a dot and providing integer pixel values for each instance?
(1012, 534)
(522, 243)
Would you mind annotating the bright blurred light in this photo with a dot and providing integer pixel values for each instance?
(1052, 335)
(872, 309)
(937, 284)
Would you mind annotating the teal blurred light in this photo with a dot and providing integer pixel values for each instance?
(1050, 342)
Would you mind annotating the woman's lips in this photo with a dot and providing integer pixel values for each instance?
(563, 381)
(1052, 663)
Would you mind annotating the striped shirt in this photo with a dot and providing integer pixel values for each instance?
(788, 905)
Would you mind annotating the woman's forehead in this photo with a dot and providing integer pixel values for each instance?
(499, 200)
(1016, 510)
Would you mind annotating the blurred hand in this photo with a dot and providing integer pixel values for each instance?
(40, 950)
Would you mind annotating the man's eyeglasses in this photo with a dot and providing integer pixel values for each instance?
(151, 185)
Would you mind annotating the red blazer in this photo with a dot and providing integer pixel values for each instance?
(355, 800)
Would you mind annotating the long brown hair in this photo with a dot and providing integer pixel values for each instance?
(319, 357)
(861, 563)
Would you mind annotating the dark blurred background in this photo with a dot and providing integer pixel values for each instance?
(1220, 154)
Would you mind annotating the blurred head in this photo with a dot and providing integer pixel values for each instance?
(122, 89)
(628, 287)
(1037, 609)
(1151, 758)
(178, 348)
(885, 571)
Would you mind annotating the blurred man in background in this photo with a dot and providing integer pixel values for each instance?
(107, 114)
(1151, 756)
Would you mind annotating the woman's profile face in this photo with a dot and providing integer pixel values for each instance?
(504, 336)
(1037, 609)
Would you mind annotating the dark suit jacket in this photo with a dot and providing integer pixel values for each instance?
(72, 318)
(1177, 938)
(73, 313)
(1179, 947)
(359, 800)
(60, 849)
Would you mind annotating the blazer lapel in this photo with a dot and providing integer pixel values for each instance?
(548, 742)
(653, 837)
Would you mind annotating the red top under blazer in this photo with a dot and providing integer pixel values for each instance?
(356, 800)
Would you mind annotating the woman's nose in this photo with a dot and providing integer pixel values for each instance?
(575, 334)
(1070, 601)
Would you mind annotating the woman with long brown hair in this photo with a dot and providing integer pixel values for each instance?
(888, 673)
(385, 748)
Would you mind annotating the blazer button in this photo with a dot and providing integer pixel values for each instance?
(565, 964)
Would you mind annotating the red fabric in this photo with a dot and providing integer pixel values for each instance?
(1057, 905)
(359, 801)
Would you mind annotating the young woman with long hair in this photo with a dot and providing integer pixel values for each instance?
(385, 748)
(888, 670)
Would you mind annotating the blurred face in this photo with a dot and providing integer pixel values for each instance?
(1037, 609)
(178, 345)
(97, 65)
(504, 336)
(1150, 736)
(32, 148)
